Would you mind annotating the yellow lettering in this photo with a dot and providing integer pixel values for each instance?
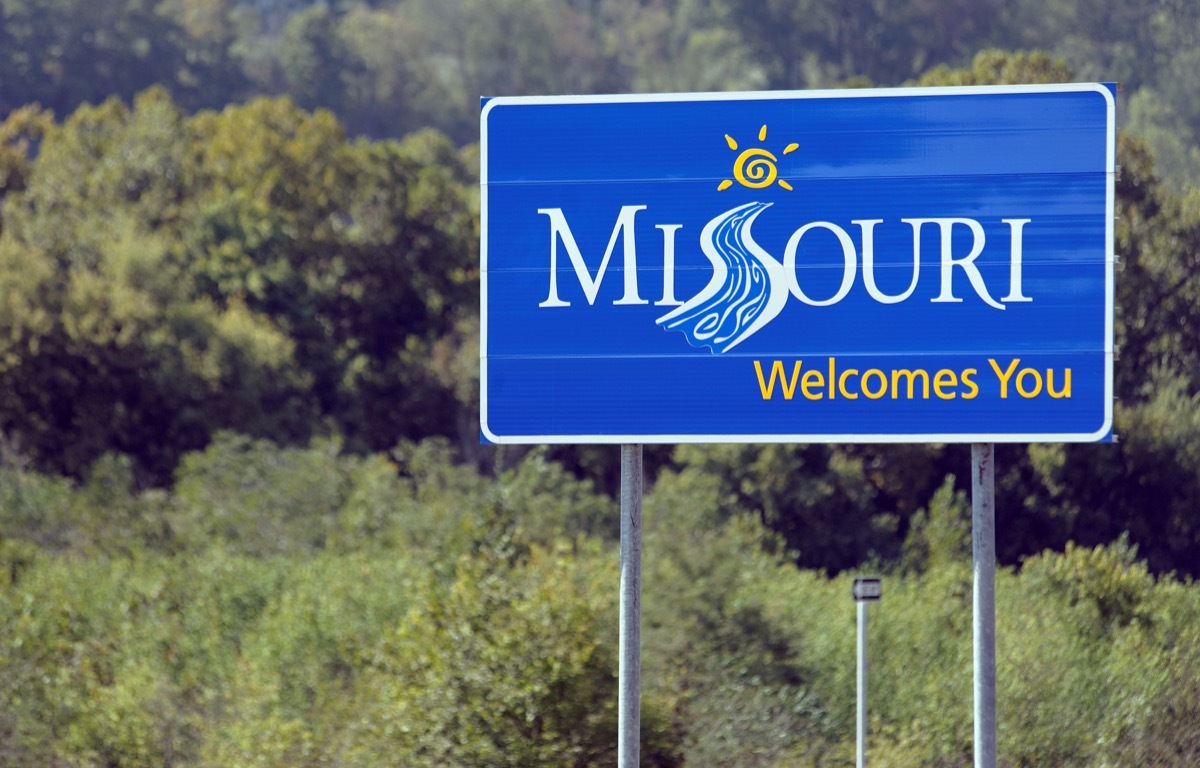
(911, 376)
(1004, 375)
(945, 378)
(970, 382)
(1066, 390)
(883, 384)
(1029, 394)
(842, 383)
(787, 386)
(808, 381)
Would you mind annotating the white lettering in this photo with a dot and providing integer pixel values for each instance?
(668, 296)
(868, 258)
(624, 227)
(591, 286)
(967, 263)
(849, 269)
(1014, 265)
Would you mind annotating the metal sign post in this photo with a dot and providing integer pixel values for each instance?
(983, 551)
(865, 590)
(629, 672)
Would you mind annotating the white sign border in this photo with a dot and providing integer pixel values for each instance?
(973, 90)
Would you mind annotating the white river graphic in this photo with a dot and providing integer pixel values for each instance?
(747, 290)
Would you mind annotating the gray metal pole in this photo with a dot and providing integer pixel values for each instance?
(983, 549)
(629, 672)
(860, 760)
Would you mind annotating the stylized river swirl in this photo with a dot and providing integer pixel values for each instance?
(747, 290)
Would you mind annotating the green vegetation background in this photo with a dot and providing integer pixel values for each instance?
(244, 516)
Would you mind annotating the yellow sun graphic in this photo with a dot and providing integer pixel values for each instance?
(755, 167)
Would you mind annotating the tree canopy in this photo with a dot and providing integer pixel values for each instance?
(169, 276)
(388, 67)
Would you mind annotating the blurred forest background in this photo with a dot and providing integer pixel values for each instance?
(244, 516)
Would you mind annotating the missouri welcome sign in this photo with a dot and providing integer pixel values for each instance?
(905, 265)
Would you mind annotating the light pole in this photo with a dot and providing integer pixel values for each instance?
(866, 590)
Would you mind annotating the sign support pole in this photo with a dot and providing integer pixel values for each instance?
(629, 674)
(860, 760)
(983, 550)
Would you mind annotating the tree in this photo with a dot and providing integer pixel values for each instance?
(740, 693)
(819, 43)
(312, 58)
(211, 74)
(390, 79)
(510, 662)
(108, 347)
(995, 67)
(63, 53)
(20, 132)
(171, 276)
(814, 497)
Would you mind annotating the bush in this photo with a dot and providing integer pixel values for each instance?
(257, 498)
(741, 693)
(509, 663)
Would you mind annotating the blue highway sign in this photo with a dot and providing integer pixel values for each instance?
(897, 265)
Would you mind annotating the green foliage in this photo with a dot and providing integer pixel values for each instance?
(312, 57)
(555, 505)
(1148, 47)
(65, 52)
(1143, 484)
(35, 508)
(939, 536)
(121, 352)
(1108, 583)
(256, 499)
(739, 691)
(504, 665)
(166, 277)
(994, 67)
(19, 133)
(110, 661)
(361, 253)
(1158, 239)
(391, 84)
(293, 695)
(920, 668)
(1157, 725)
(817, 498)
(818, 43)
(1166, 117)
(389, 67)
(434, 624)
(169, 277)
(1075, 686)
